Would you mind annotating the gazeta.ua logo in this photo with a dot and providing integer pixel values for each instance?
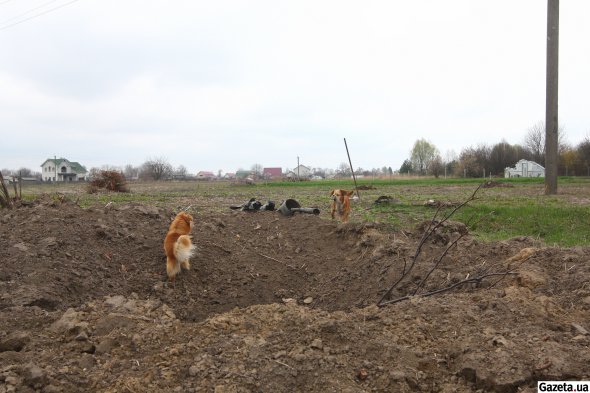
(563, 386)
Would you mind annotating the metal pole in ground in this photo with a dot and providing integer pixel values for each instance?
(352, 170)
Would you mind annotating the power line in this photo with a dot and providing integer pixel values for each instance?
(26, 12)
(36, 15)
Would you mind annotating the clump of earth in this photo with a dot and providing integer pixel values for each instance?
(279, 304)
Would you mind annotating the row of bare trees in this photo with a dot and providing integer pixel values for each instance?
(152, 169)
(484, 160)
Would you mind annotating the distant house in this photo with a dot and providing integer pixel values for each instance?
(205, 175)
(229, 176)
(524, 168)
(242, 174)
(60, 169)
(301, 172)
(272, 173)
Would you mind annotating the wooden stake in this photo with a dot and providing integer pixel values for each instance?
(352, 170)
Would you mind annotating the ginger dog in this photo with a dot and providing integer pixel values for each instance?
(341, 203)
(178, 245)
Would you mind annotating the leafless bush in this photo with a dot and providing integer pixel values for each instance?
(108, 180)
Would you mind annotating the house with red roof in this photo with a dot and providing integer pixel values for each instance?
(272, 173)
(205, 175)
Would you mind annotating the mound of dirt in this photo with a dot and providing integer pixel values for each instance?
(280, 304)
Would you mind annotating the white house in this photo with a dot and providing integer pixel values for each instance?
(524, 168)
(301, 172)
(60, 169)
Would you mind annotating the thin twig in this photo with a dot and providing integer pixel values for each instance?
(284, 364)
(218, 246)
(271, 258)
(276, 260)
(473, 280)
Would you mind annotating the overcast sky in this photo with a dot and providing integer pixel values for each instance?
(222, 85)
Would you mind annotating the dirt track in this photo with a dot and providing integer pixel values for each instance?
(273, 303)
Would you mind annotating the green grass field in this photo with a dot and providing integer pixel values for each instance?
(496, 213)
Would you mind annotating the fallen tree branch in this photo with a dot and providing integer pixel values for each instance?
(433, 225)
(474, 280)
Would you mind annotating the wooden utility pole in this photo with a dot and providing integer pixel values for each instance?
(551, 101)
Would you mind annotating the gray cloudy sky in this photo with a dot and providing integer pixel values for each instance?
(226, 84)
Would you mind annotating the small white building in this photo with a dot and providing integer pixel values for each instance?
(60, 169)
(301, 172)
(524, 168)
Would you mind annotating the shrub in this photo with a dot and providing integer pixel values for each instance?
(109, 180)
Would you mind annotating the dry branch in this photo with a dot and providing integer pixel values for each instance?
(5, 200)
(433, 225)
(473, 280)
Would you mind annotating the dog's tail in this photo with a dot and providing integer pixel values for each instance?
(184, 248)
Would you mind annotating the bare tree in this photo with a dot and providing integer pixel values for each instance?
(584, 153)
(24, 172)
(131, 172)
(181, 171)
(473, 161)
(344, 170)
(436, 167)
(534, 141)
(319, 172)
(257, 170)
(156, 169)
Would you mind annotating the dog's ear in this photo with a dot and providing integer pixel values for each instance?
(350, 193)
(332, 192)
(186, 217)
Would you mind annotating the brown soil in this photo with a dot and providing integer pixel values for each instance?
(277, 304)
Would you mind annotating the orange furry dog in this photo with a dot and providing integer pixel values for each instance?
(341, 203)
(178, 245)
